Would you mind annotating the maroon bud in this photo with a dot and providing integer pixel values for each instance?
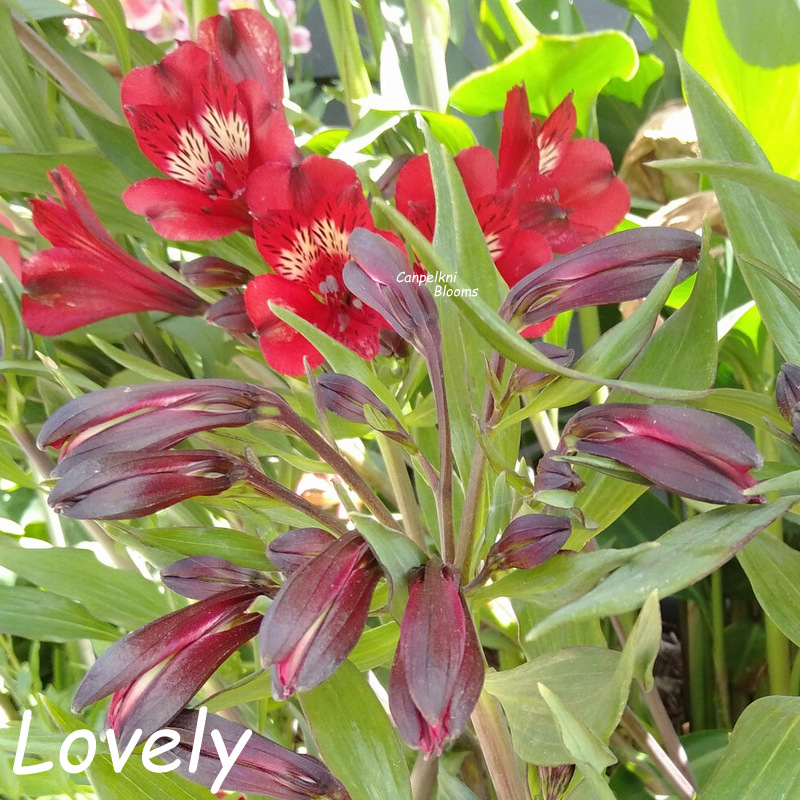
(787, 390)
(318, 616)
(229, 314)
(438, 670)
(619, 267)
(525, 380)
(210, 272)
(555, 780)
(381, 277)
(346, 397)
(554, 477)
(200, 577)
(129, 484)
(391, 343)
(154, 671)
(683, 450)
(262, 767)
(529, 541)
(291, 550)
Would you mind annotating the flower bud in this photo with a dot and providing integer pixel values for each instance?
(525, 380)
(529, 541)
(555, 780)
(556, 481)
(683, 450)
(346, 397)
(129, 484)
(154, 671)
(438, 670)
(317, 617)
(262, 767)
(376, 276)
(200, 577)
(619, 267)
(230, 314)
(787, 390)
(291, 550)
(210, 272)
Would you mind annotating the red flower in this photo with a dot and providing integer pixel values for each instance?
(207, 116)
(565, 188)
(86, 276)
(515, 252)
(304, 214)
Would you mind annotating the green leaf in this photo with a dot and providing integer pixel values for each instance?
(112, 595)
(773, 569)
(175, 543)
(23, 112)
(114, 31)
(755, 229)
(355, 738)
(376, 646)
(760, 763)
(140, 366)
(651, 70)
(551, 67)
(681, 557)
(751, 60)
(34, 614)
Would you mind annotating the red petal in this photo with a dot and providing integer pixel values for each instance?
(478, 171)
(183, 212)
(525, 252)
(248, 47)
(414, 194)
(519, 152)
(283, 347)
(554, 135)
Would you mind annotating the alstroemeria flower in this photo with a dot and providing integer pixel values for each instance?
(303, 218)
(528, 541)
(208, 116)
(565, 188)
(317, 617)
(683, 450)
(438, 671)
(262, 767)
(155, 671)
(86, 276)
(201, 577)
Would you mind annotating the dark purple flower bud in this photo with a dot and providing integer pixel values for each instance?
(619, 267)
(554, 480)
(555, 780)
(262, 767)
(391, 343)
(524, 380)
(787, 390)
(529, 541)
(346, 397)
(291, 550)
(438, 670)
(129, 484)
(229, 314)
(317, 617)
(154, 671)
(200, 577)
(210, 272)
(381, 277)
(683, 450)
(91, 411)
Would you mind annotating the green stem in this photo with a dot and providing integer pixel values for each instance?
(591, 331)
(718, 650)
(497, 748)
(424, 778)
(341, 27)
(425, 20)
(444, 495)
(373, 19)
(696, 641)
(395, 463)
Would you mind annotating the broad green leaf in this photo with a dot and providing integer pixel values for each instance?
(582, 677)
(252, 688)
(651, 69)
(680, 558)
(758, 410)
(355, 738)
(760, 763)
(34, 614)
(23, 111)
(112, 595)
(755, 229)
(176, 543)
(376, 646)
(552, 67)
(752, 62)
(773, 569)
(140, 366)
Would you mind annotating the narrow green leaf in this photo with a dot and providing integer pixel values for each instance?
(135, 364)
(115, 31)
(773, 569)
(681, 557)
(355, 738)
(34, 614)
(376, 646)
(760, 763)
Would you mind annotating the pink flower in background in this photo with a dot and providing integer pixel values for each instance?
(158, 20)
